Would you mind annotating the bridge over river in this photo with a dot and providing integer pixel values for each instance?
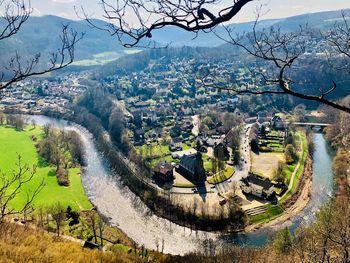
(312, 124)
(302, 124)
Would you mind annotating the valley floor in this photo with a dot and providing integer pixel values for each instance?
(14, 143)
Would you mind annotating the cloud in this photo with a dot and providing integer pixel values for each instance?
(299, 7)
(63, 1)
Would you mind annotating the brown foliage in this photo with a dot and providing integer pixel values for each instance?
(19, 244)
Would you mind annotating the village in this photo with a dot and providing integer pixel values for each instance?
(197, 142)
(201, 146)
(35, 96)
(199, 165)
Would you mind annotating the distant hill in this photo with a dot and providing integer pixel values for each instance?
(41, 34)
(179, 37)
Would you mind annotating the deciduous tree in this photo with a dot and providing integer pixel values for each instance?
(290, 154)
(11, 185)
(15, 13)
(57, 212)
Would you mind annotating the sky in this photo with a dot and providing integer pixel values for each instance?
(275, 8)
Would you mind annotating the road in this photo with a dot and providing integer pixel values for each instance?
(242, 170)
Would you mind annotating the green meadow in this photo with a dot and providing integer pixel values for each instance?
(104, 58)
(12, 143)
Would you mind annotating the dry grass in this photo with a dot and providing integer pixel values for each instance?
(266, 163)
(18, 244)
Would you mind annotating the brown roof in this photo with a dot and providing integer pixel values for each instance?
(163, 168)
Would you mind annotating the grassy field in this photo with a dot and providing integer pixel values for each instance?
(221, 177)
(266, 163)
(303, 157)
(132, 51)
(272, 212)
(290, 168)
(99, 59)
(158, 150)
(14, 142)
(104, 58)
(159, 153)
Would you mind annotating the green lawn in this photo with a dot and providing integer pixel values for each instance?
(14, 142)
(167, 158)
(184, 185)
(99, 59)
(290, 168)
(221, 177)
(272, 212)
(158, 150)
(159, 153)
(303, 156)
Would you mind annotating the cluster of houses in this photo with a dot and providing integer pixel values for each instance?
(162, 102)
(35, 96)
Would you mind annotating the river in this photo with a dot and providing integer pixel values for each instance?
(122, 207)
(126, 211)
(321, 191)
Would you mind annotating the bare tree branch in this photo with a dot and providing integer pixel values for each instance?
(338, 39)
(271, 45)
(150, 15)
(282, 50)
(15, 14)
(58, 60)
(11, 186)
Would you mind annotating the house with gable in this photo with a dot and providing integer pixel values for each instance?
(192, 167)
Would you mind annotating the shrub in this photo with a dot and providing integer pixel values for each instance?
(290, 153)
(62, 177)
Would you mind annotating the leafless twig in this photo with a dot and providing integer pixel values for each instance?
(14, 13)
(134, 20)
